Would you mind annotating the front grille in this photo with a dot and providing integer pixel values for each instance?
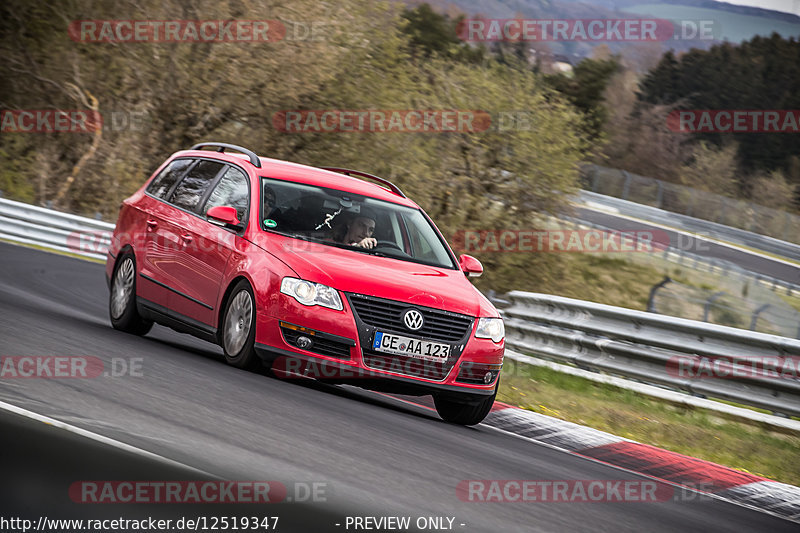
(320, 346)
(405, 365)
(388, 315)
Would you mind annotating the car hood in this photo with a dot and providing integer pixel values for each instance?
(382, 277)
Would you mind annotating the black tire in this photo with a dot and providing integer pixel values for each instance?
(238, 344)
(122, 299)
(464, 414)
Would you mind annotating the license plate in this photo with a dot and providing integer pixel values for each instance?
(417, 349)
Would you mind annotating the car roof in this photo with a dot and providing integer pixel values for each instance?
(286, 170)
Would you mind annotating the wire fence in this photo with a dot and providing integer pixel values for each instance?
(692, 202)
(739, 303)
(719, 268)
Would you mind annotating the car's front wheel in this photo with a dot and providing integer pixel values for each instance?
(461, 412)
(122, 300)
(239, 328)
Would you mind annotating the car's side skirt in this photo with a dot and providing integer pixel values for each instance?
(178, 322)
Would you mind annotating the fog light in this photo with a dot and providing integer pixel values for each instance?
(303, 342)
(488, 377)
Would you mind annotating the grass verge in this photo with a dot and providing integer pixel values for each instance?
(691, 431)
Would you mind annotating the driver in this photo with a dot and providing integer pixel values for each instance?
(358, 231)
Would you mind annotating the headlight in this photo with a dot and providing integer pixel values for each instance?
(308, 293)
(491, 328)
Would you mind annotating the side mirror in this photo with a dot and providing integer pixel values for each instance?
(223, 215)
(471, 266)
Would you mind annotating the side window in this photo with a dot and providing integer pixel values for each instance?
(232, 191)
(191, 188)
(163, 183)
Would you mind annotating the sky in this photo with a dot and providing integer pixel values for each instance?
(787, 6)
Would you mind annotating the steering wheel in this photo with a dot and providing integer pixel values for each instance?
(388, 244)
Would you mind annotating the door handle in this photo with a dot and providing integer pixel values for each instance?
(187, 238)
(152, 224)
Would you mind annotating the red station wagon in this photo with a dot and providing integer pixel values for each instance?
(313, 272)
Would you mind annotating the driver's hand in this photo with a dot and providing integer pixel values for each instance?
(367, 242)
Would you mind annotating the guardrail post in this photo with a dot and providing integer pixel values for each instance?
(626, 187)
(660, 194)
(709, 302)
(786, 225)
(757, 312)
(651, 307)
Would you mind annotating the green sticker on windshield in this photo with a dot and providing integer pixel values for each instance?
(270, 223)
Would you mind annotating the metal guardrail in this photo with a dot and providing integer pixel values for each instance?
(677, 353)
(633, 344)
(695, 225)
(30, 224)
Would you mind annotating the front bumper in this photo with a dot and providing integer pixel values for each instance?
(341, 352)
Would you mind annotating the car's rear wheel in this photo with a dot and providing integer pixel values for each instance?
(122, 300)
(464, 413)
(239, 328)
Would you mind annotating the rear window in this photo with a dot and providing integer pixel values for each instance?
(163, 183)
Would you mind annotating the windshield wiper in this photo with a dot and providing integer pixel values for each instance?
(372, 252)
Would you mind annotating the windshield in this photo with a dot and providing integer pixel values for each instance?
(346, 220)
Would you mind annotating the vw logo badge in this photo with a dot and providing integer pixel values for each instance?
(413, 319)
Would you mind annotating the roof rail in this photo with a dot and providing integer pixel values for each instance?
(221, 148)
(394, 188)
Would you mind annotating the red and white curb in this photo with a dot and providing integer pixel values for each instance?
(726, 483)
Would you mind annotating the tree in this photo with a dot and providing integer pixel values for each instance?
(430, 33)
(186, 91)
(585, 89)
(763, 73)
(712, 169)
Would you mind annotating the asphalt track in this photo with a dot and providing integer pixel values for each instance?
(376, 455)
(701, 247)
